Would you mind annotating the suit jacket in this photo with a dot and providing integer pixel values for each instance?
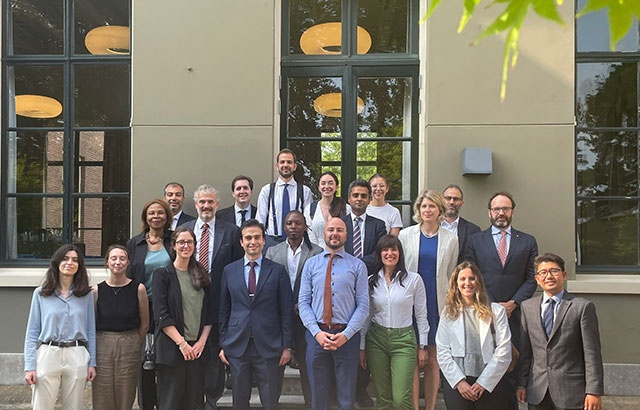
(229, 214)
(569, 363)
(278, 254)
(446, 258)
(374, 229)
(496, 353)
(513, 281)
(267, 318)
(465, 230)
(137, 250)
(184, 218)
(167, 311)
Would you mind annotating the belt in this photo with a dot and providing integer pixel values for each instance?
(70, 343)
(334, 326)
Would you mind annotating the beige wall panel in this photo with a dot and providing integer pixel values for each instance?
(229, 44)
(211, 155)
(535, 164)
(463, 82)
(14, 316)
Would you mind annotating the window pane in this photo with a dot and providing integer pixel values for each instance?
(102, 95)
(315, 24)
(607, 95)
(607, 163)
(35, 162)
(391, 159)
(34, 227)
(315, 107)
(608, 232)
(36, 27)
(35, 96)
(314, 158)
(384, 24)
(100, 222)
(103, 161)
(593, 32)
(102, 27)
(387, 107)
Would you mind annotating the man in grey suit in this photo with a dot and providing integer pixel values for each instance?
(292, 254)
(560, 361)
(454, 222)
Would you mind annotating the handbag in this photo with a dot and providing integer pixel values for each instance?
(515, 354)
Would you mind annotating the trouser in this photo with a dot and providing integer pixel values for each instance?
(546, 404)
(147, 392)
(181, 387)
(391, 358)
(214, 372)
(63, 368)
(496, 400)
(118, 364)
(300, 351)
(267, 376)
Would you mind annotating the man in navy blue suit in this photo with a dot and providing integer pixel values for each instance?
(256, 308)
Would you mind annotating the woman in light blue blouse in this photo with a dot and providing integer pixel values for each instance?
(60, 344)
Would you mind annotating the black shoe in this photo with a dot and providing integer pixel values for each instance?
(293, 362)
(227, 382)
(365, 401)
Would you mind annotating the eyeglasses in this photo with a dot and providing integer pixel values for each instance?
(452, 198)
(188, 243)
(499, 209)
(553, 271)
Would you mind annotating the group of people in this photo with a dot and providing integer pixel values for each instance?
(340, 287)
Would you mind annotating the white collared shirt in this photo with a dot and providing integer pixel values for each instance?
(198, 231)
(353, 221)
(293, 259)
(453, 226)
(496, 236)
(174, 223)
(264, 206)
(238, 215)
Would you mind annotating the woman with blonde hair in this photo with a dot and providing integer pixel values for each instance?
(473, 344)
(432, 253)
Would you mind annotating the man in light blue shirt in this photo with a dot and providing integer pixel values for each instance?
(333, 305)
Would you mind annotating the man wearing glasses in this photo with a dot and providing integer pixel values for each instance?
(505, 257)
(454, 222)
(560, 362)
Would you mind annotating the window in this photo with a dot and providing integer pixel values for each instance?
(65, 127)
(349, 92)
(607, 131)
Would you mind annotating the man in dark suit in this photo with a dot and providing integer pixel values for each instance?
(454, 222)
(292, 254)
(560, 362)
(241, 210)
(218, 244)
(256, 309)
(363, 233)
(174, 196)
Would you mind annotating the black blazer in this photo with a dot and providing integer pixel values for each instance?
(184, 218)
(465, 230)
(374, 229)
(515, 281)
(229, 214)
(167, 311)
(267, 318)
(137, 250)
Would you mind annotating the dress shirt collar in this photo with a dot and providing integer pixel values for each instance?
(353, 217)
(292, 183)
(557, 297)
(257, 261)
(298, 249)
(341, 253)
(200, 222)
(450, 226)
(177, 216)
(237, 209)
(496, 231)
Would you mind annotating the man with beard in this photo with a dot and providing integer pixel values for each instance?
(505, 257)
(174, 196)
(454, 222)
(333, 305)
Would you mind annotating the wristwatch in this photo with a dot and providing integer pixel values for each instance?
(423, 347)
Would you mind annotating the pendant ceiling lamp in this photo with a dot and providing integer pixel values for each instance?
(108, 40)
(326, 38)
(37, 106)
(330, 105)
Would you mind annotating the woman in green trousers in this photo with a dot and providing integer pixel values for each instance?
(388, 342)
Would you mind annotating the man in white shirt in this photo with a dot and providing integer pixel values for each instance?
(174, 196)
(242, 209)
(454, 222)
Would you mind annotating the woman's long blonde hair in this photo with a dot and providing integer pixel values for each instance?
(481, 301)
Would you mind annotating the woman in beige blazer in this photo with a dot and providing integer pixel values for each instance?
(433, 253)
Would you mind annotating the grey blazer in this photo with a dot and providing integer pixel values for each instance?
(569, 364)
(278, 254)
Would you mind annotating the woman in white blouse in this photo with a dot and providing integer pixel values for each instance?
(388, 345)
(473, 344)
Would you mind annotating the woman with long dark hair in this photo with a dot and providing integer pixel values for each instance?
(329, 206)
(122, 321)
(473, 343)
(388, 345)
(184, 311)
(60, 343)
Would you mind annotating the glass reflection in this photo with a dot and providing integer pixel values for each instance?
(36, 224)
(593, 32)
(33, 94)
(314, 158)
(608, 232)
(102, 95)
(304, 14)
(303, 116)
(387, 111)
(389, 158)
(35, 27)
(100, 222)
(387, 22)
(36, 166)
(606, 95)
(108, 23)
(103, 162)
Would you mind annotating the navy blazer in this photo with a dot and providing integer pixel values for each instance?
(167, 311)
(137, 250)
(374, 229)
(184, 218)
(267, 318)
(229, 214)
(465, 230)
(515, 281)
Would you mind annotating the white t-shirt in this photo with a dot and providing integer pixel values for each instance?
(388, 213)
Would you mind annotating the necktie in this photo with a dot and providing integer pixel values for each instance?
(327, 313)
(547, 319)
(243, 216)
(502, 247)
(357, 238)
(203, 253)
(286, 207)
(252, 279)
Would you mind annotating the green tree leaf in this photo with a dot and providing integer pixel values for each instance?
(548, 9)
(620, 21)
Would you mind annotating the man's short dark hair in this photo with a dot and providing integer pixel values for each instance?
(251, 223)
(450, 186)
(240, 178)
(362, 183)
(502, 193)
(164, 192)
(286, 151)
(548, 257)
